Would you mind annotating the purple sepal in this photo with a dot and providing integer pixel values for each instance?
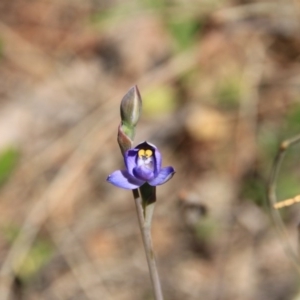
(124, 180)
(163, 176)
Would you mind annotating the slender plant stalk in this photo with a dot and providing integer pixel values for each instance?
(273, 198)
(145, 221)
(130, 110)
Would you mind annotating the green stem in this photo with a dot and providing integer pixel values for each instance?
(145, 221)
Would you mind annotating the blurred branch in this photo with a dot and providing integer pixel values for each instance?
(272, 199)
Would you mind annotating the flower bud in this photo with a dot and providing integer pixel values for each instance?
(131, 106)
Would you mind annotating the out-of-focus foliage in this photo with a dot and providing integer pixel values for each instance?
(105, 18)
(39, 255)
(184, 31)
(10, 232)
(159, 100)
(229, 92)
(8, 161)
(292, 122)
(207, 229)
(254, 189)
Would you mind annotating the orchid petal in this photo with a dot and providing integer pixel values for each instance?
(142, 172)
(130, 159)
(163, 176)
(124, 180)
(157, 162)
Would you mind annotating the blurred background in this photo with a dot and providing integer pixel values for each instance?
(220, 82)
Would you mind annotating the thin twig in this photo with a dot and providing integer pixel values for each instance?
(273, 198)
(287, 202)
(145, 227)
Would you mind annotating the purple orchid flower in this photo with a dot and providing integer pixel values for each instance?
(143, 164)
